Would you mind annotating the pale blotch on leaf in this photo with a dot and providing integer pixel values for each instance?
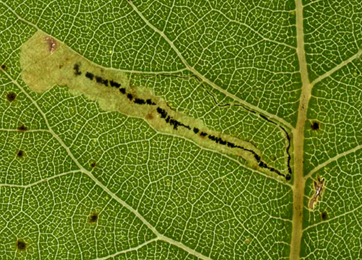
(50, 63)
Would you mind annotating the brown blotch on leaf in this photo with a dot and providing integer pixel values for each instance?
(93, 218)
(21, 245)
(22, 128)
(324, 215)
(4, 67)
(93, 164)
(11, 96)
(20, 154)
(288, 177)
(314, 125)
(149, 116)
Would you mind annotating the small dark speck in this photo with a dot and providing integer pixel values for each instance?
(93, 218)
(22, 128)
(11, 96)
(93, 164)
(4, 67)
(315, 125)
(20, 153)
(21, 245)
(324, 215)
(288, 177)
(203, 134)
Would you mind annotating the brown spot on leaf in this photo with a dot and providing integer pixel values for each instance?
(21, 245)
(4, 67)
(324, 215)
(11, 96)
(93, 164)
(20, 154)
(314, 125)
(22, 128)
(93, 218)
(149, 116)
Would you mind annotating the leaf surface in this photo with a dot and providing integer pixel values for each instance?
(222, 120)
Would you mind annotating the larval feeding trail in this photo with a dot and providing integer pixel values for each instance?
(44, 66)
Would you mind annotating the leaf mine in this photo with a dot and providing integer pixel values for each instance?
(43, 68)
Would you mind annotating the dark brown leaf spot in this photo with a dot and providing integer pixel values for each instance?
(324, 215)
(21, 245)
(288, 177)
(11, 96)
(20, 154)
(22, 128)
(93, 164)
(4, 67)
(314, 125)
(93, 218)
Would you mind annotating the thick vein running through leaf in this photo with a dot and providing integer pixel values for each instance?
(298, 138)
(129, 249)
(335, 158)
(339, 66)
(334, 218)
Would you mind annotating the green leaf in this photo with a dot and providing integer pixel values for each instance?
(180, 129)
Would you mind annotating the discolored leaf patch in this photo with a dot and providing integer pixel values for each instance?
(22, 128)
(11, 96)
(324, 215)
(44, 67)
(21, 245)
(315, 126)
(93, 218)
(20, 154)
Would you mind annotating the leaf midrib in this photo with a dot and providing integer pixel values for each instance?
(298, 138)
